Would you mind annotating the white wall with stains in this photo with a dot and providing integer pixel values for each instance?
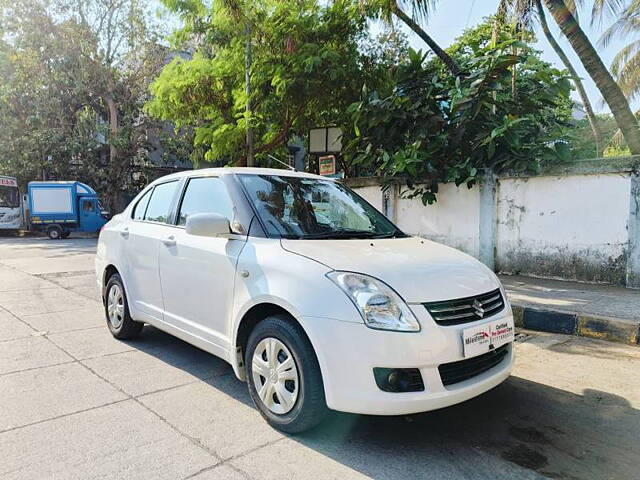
(564, 226)
(452, 220)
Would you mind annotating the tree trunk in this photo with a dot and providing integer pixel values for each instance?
(595, 128)
(598, 72)
(451, 64)
(114, 166)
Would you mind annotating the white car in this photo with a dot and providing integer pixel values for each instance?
(314, 297)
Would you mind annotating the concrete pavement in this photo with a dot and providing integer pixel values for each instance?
(77, 404)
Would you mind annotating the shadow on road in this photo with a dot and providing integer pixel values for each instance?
(544, 430)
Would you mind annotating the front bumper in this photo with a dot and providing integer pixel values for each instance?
(348, 352)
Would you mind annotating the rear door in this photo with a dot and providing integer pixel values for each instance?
(142, 236)
(197, 273)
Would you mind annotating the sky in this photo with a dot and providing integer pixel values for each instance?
(451, 17)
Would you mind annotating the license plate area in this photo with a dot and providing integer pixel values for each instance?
(482, 338)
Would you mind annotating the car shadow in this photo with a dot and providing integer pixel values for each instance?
(520, 429)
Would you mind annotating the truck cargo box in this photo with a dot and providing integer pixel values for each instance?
(55, 202)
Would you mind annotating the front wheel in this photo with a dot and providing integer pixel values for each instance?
(283, 375)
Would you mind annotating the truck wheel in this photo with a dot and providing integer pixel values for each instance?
(116, 309)
(54, 232)
(283, 375)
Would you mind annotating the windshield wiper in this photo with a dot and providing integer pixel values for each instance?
(340, 234)
(395, 234)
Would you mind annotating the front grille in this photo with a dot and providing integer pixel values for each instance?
(462, 370)
(465, 310)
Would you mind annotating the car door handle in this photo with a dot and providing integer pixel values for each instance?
(125, 232)
(169, 241)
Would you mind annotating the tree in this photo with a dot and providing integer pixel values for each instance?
(421, 10)
(626, 63)
(73, 78)
(593, 64)
(523, 14)
(434, 127)
(306, 69)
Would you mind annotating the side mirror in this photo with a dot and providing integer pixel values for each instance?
(207, 225)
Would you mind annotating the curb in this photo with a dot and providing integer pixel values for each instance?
(602, 328)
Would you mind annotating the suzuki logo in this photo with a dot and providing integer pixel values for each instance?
(477, 306)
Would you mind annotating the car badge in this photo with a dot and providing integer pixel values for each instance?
(477, 306)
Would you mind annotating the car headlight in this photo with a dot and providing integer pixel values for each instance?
(380, 306)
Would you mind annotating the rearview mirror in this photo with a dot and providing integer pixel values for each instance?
(207, 225)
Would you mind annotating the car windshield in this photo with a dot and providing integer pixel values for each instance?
(307, 208)
(9, 197)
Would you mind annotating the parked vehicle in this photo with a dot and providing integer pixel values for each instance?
(314, 297)
(10, 209)
(59, 208)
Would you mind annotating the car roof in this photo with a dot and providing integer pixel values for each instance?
(241, 170)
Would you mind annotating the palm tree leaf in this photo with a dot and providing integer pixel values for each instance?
(420, 9)
(606, 9)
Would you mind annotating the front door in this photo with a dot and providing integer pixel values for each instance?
(89, 215)
(197, 273)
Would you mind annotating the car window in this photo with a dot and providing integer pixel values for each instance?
(158, 209)
(87, 206)
(205, 195)
(141, 206)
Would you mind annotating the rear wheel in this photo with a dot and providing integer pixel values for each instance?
(120, 323)
(283, 375)
(54, 232)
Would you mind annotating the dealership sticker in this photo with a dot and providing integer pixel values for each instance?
(476, 340)
(482, 338)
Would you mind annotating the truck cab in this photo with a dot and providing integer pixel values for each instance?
(60, 208)
(10, 209)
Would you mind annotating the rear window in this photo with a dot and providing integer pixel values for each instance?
(160, 203)
(141, 206)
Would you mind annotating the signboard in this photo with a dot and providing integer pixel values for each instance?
(8, 182)
(325, 140)
(327, 165)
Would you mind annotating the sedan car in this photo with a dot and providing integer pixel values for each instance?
(316, 299)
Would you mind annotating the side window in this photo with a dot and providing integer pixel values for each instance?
(205, 195)
(141, 206)
(87, 205)
(158, 209)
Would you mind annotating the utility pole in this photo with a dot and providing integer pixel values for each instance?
(247, 81)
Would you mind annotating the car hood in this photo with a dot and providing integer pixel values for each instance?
(419, 270)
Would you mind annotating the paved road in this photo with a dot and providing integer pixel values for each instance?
(77, 404)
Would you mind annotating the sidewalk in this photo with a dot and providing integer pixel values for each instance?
(598, 311)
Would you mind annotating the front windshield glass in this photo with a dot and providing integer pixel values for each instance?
(9, 197)
(298, 207)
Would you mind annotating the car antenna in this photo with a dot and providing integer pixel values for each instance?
(280, 161)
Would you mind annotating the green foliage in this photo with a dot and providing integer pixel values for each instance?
(583, 144)
(307, 68)
(434, 128)
(61, 69)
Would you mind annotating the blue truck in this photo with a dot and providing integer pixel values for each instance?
(60, 208)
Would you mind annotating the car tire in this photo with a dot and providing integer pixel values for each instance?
(54, 232)
(309, 407)
(116, 310)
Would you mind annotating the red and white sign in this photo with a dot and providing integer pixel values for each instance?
(8, 182)
(480, 339)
